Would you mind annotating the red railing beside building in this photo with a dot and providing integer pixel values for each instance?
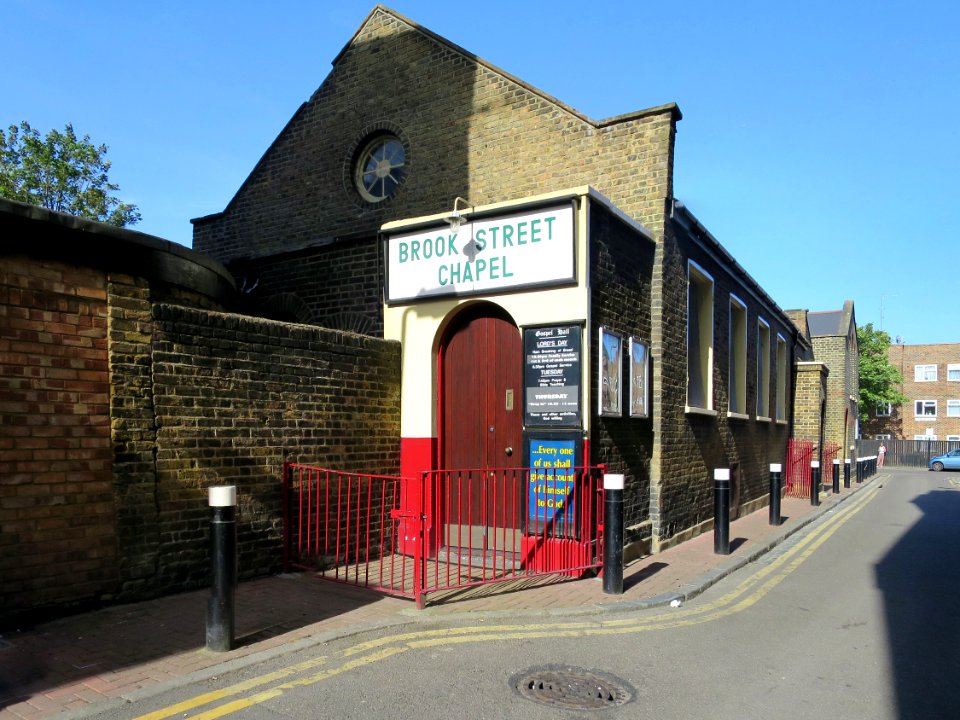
(444, 530)
(345, 526)
(831, 452)
(797, 478)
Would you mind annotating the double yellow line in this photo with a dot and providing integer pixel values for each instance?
(271, 685)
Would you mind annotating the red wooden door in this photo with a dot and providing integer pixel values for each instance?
(481, 401)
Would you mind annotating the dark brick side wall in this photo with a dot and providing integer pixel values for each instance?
(621, 269)
(235, 397)
(692, 445)
(57, 540)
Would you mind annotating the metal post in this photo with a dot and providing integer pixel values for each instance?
(223, 565)
(814, 482)
(775, 489)
(721, 511)
(859, 470)
(836, 476)
(613, 534)
(846, 473)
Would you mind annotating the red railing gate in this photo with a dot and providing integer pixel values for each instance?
(799, 455)
(444, 530)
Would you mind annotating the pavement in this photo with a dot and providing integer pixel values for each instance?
(78, 665)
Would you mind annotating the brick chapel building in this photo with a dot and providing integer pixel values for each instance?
(570, 224)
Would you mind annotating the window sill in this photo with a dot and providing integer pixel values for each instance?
(926, 418)
(699, 411)
(737, 416)
(781, 422)
(764, 419)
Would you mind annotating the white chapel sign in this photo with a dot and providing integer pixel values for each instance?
(507, 251)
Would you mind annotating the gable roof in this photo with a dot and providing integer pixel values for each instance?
(626, 117)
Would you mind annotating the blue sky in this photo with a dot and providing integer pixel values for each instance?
(819, 143)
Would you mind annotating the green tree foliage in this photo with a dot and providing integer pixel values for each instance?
(60, 172)
(879, 380)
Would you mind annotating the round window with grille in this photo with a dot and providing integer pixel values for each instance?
(380, 168)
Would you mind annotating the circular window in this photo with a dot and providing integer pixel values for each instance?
(380, 168)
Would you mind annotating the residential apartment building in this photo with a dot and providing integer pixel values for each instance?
(931, 384)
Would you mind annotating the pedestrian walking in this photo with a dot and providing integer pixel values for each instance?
(881, 452)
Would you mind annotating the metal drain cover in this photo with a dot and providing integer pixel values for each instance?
(572, 688)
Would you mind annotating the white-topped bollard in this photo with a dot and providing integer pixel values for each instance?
(223, 565)
(776, 487)
(814, 482)
(721, 511)
(613, 534)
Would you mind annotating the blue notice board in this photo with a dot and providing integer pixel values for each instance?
(551, 496)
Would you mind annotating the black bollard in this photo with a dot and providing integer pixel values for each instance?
(613, 534)
(859, 470)
(775, 489)
(814, 482)
(223, 565)
(721, 511)
(846, 473)
(836, 476)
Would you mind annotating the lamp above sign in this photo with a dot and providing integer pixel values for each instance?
(495, 253)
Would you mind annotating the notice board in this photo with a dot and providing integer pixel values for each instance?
(552, 373)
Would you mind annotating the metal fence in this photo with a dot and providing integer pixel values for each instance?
(907, 453)
(445, 529)
(799, 456)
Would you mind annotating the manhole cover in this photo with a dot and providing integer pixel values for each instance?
(574, 688)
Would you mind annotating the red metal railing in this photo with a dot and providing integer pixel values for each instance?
(799, 455)
(447, 529)
(346, 527)
(831, 452)
(495, 525)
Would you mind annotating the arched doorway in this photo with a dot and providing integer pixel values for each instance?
(481, 427)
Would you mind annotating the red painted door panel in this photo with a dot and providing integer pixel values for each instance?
(482, 411)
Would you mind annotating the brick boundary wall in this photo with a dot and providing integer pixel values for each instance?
(118, 412)
(234, 397)
(56, 499)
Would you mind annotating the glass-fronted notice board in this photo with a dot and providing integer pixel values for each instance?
(552, 375)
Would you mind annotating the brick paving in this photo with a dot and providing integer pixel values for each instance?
(76, 662)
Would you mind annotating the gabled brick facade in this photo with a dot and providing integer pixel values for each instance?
(302, 237)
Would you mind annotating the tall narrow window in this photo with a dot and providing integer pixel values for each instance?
(763, 369)
(738, 356)
(699, 338)
(781, 378)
